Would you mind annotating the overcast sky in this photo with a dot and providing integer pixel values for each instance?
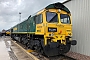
(9, 10)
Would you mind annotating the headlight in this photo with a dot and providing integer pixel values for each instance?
(52, 29)
(52, 34)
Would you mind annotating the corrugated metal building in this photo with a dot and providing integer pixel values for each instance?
(80, 10)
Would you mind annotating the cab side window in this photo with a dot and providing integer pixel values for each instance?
(38, 19)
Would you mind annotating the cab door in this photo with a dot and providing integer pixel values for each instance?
(39, 24)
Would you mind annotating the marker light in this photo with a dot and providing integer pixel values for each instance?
(60, 31)
(59, 10)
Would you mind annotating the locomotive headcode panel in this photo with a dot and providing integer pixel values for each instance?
(49, 31)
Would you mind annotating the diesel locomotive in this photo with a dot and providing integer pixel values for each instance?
(49, 31)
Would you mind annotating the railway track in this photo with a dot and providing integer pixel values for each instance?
(37, 56)
(59, 57)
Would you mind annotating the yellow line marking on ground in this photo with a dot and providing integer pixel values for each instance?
(29, 54)
(30, 50)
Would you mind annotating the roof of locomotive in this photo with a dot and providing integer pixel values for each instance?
(58, 5)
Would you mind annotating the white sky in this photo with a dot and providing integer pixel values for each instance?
(9, 10)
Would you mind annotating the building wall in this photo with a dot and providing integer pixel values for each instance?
(80, 10)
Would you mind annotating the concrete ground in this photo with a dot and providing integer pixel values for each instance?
(9, 51)
(3, 50)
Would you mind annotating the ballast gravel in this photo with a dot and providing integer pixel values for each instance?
(78, 56)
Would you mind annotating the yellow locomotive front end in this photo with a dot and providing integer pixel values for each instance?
(57, 31)
(58, 26)
(54, 29)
